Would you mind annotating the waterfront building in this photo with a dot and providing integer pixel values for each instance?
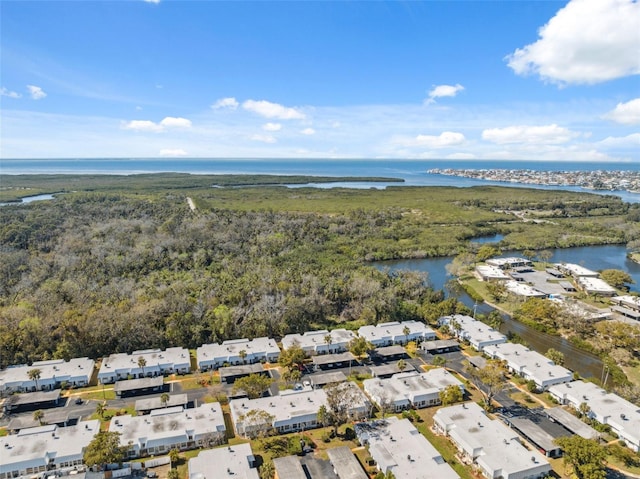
(576, 270)
(386, 334)
(524, 290)
(509, 263)
(529, 364)
(478, 334)
(595, 286)
(491, 273)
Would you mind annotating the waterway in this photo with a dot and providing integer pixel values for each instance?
(592, 257)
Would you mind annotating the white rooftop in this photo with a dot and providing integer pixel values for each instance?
(398, 446)
(34, 447)
(576, 269)
(596, 285)
(508, 261)
(521, 289)
(395, 330)
(224, 462)
(476, 332)
(168, 423)
(313, 339)
(495, 447)
(154, 358)
(55, 368)
(492, 272)
(233, 347)
(411, 385)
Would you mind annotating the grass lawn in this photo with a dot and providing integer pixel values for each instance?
(98, 394)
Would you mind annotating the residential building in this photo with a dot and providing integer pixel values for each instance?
(237, 351)
(45, 449)
(53, 374)
(320, 342)
(529, 364)
(595, 286)
(607, 408)
(509, 263)
(345, 464)
(489, 445)
(171, 428)
(386, 334)
(524, 290)
(410, 390)
(398, 447)
(491, 273)
(288, 467)
(229, 462)
(290, 411)
(576, 270)
(478, 334)
(144, 363)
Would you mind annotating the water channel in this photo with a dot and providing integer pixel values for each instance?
(592, 257)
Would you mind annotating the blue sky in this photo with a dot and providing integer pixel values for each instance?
(520, 80)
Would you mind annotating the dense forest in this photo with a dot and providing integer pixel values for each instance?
(94, 272)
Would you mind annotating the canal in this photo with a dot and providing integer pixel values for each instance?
(592, 257)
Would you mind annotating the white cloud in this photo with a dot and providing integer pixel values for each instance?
(439, 91)
(152, 1)
(443, 140)
(166, 123)
(227, 103)
(173, 152)
(273, 110)
(173, 122)
(9, 93)
(546, 134)
(36, 92)
(632, 140)
(308, 131)
(461, 156)
(142, 125)
(587, 41)
(272, 127)
(626, 113)
(264, 138)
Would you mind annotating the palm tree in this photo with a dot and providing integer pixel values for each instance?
(34, 375)
(402, 365)
(142, 362)
(39, 416)
(243, 355)
(101, 408)
(328, 340)
(164, 399)
(406, 331)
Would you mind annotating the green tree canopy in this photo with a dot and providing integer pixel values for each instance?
(294, 356)
(359, 346)
(617, 278)
(104, 449)
(586, 456)
(254, 385)
(450, 395)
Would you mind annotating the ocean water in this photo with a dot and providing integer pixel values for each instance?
(413, 172)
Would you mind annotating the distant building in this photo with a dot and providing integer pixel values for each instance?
(171, 428)
(53, 374)
(576, 270)
(493, 448)
(491, 273)
(595, 286)
(529, 364)
(155, 362)
(524, 290)
(509, 263)
(607, 408)
(290, 411)
(411, 390)
(398, 447)
(387, 334)
(43, 449)
(478, 334)
(237, 351)
(321, 341)
(229, 462)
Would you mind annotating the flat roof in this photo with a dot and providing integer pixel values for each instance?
(333, 358)
(314, 339)
(53, 369)
(51, 416)
(596, 285)
(394, 350)
(439, 344)
(320, 379)
(345, 463)
(34, 446)
(224, 462)
(388, 369)
(534, 433)
(33, 398)
(497, 447)
(576, 269)
(289, 467)
(476, 332)
(398, 444)
(493, 272)
(156, 403)
(410, 385)
(523, 289)
(142, 383)
(231, 348)
(241, 369)
(395, 329)
(626, 311)
(154, 359)
(572, 423)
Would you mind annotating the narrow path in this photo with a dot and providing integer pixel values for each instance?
(191, 204)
